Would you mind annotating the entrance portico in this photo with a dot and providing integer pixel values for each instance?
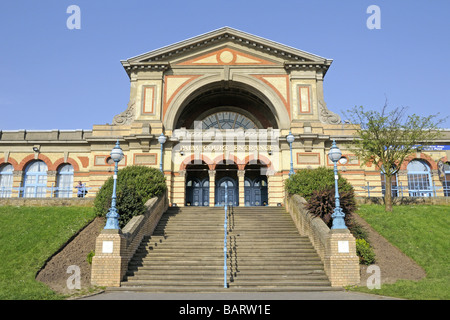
(206, 187)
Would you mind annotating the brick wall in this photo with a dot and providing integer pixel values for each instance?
(336, 248)
(115, 248)
(47, 202)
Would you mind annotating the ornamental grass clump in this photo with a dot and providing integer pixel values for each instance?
(322, 203)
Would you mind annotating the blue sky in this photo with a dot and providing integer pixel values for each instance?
(52, 77)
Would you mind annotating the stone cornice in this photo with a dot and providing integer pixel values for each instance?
(159, 58)
(144, 66)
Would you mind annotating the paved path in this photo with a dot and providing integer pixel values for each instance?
(326, 295)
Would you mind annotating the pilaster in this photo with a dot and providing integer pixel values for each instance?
(241, 178)
(212, 187)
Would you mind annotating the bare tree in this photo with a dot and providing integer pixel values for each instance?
(386, 138)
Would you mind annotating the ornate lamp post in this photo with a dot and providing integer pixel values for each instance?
(112, 217)
(337, 216)
(161, 139)
(290, 138)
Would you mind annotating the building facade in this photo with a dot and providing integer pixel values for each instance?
(225, 101)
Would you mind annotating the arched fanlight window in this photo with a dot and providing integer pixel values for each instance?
(64, 181)
(419, 179)
(227, 120)
(35, 182)
(6, 180)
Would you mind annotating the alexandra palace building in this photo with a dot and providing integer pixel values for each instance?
(225, 101)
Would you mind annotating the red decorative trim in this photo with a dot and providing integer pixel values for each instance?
(145, 154)
(308, 154)
(189, 159)
(30, 158)
(300, 99)
(286, 101)
(152, 104)
(222, 160)
(168, 100)
(422, 156)
(235, 53)
(11, 161)
(61, 161)
(84, 161)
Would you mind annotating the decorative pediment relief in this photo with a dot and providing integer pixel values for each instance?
(226, 56)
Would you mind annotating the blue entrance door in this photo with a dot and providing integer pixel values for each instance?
(197, 192)
(255, 192)
(232, 192)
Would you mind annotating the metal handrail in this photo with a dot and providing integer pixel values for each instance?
(53, 192)
(225, 225)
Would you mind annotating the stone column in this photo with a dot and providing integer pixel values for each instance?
(181, 188)
(241, 178)
(212, 187)
(109, 264)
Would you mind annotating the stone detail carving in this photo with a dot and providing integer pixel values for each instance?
(326, 116)
(125, 117)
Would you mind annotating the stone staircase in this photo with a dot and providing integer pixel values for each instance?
(264, 253)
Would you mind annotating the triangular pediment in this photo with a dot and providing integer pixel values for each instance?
(226, 46)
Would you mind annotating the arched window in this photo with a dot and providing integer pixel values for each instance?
(35, 182)
(64, 181)
(6, 180)
(446, 183)
(227, 120)
(419, 179)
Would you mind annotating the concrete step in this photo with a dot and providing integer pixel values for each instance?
(264, 253)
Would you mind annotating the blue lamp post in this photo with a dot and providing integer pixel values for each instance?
(161, 139)
(290, 139)
(112, 217)
(338, 215)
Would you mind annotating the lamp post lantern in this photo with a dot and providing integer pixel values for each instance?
(338, 215)
(112, 217)
(161, 139)
(290, 139)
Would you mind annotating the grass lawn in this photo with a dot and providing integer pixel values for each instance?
(422, 233)
(28, 237)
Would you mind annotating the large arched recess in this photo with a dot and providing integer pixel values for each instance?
(246, 84)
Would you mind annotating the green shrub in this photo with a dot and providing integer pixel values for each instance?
(305, 182)
(129, 204)
(365, 252)
(357, 230)
(322, 203)
(135, 185)
(89, 257)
